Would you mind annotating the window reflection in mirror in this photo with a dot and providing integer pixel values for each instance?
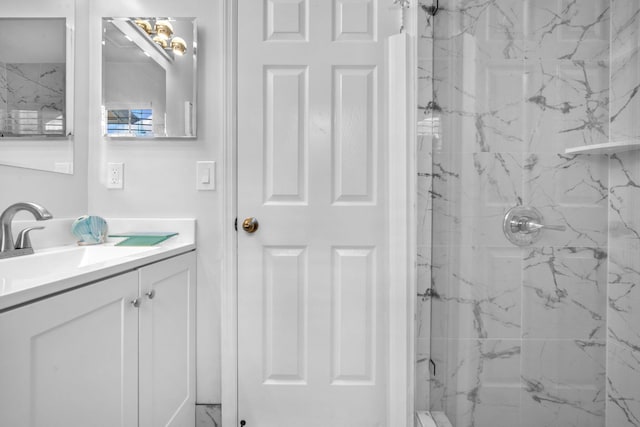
(149, 77)
(133, 122)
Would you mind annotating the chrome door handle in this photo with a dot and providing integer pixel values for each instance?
(135, 302)
(151, 294)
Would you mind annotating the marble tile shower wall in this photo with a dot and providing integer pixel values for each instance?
(623, 316)
(518, 335)
(426, 131)
(3, 95)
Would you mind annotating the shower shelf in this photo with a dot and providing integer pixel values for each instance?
(606, 148)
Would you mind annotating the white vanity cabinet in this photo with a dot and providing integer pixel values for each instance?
(72, 359)
(167, 343)
(92, 357)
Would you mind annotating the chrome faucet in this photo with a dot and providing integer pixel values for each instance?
(22, 246)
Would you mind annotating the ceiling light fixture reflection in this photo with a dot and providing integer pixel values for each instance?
(160, 42)
(162, 33)
(178, 46)
(164, 29)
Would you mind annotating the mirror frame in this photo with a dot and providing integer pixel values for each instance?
(194, 86)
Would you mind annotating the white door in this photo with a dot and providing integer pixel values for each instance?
(312, 279)
(72, 359)
(167, 343)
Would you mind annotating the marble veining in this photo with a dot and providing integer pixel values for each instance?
(623, 311)
(428, 134)
(563, 383)
(625, 16)
(623, 377)
(3, 96)
(33, 99)
(567, 103)
(208, 416)
(520, 336)
(475, 381)
(569, 29)
(564, 293)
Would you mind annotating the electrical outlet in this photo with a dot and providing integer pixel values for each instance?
(115, 175)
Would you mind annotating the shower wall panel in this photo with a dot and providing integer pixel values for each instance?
(518, 333)
(623, 339)
(623, 316)
(427, 133)
(3, 95)
(625, 72)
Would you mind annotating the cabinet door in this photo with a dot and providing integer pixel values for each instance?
(167, 343)
(72, 359)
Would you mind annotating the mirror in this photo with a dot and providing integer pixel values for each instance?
(149, 70)
(36, 83)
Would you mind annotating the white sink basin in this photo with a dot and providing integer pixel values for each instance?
(28, 278)
(20, 272)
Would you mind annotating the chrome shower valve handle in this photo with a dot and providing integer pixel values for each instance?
(522, 225)
(527, 225)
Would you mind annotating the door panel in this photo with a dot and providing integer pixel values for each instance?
(353, 316)
(285, 315)
(285, 151)
(312, 284)
(355, 133)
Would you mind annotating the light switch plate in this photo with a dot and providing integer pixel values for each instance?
(206, 176)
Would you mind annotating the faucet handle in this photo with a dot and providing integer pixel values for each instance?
(23, 241)
(528, 225)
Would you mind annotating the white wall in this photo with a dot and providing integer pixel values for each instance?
(40, 41)
(159, 176)
(137, 85)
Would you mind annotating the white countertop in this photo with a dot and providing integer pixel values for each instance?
(39, 275)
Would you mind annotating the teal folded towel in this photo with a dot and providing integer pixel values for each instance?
(144, 233)
(143, 238)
